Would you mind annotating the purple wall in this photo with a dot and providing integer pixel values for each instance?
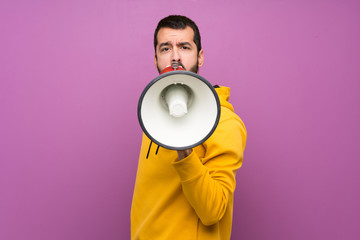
(71, 73)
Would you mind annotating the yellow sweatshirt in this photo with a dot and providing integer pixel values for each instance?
(192, 198)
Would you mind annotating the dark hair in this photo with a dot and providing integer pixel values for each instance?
(178, 22)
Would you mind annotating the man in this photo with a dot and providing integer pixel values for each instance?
(187, 194)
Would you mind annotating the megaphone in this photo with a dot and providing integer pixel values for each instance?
(179, 109)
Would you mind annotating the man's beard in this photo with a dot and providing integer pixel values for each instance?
(193, 69)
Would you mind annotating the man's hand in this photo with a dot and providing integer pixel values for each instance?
(184, 153)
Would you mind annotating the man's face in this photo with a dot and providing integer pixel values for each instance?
(177, 45)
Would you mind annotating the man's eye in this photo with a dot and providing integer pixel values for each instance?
(185, 47)
(164, 49)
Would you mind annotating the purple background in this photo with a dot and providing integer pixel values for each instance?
(71, 73)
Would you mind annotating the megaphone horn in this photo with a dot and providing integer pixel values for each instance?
(179, 109)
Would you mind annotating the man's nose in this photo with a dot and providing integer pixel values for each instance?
(175, 55)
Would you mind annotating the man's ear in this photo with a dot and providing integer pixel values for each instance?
(155, 60)
(201, 58)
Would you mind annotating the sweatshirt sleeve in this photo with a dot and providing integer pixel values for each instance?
(208, 182)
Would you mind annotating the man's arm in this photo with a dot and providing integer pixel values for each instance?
(208, 182)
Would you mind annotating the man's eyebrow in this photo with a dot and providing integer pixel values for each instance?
(184, 43)
(164, 44)
(179, 44)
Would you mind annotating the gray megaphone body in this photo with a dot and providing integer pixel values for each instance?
(179, 109)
